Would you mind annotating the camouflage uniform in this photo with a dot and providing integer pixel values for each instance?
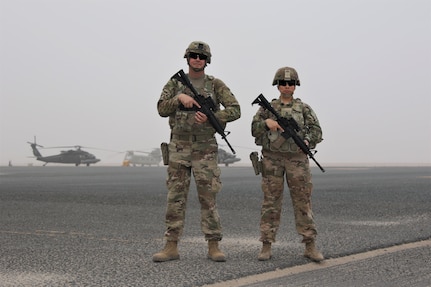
(193, 148)
(283, 158)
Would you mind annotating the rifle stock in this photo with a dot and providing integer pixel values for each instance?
(207, 106)
(289, 128)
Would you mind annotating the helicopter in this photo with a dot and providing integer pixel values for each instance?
(226, 158)
(132, 159)
(154, 158)
(76, 156)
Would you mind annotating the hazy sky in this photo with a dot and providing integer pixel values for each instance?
(90, 72)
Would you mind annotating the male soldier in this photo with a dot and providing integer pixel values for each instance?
(193, 148)
(281, 158)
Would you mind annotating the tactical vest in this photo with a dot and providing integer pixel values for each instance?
(183, 122)
(274, 141)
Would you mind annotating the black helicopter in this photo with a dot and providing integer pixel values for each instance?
(75, 156)
(226, 158)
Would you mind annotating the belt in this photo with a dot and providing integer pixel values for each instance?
(192, 138)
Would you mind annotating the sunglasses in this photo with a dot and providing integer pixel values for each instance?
(196, 55)
(289, 83)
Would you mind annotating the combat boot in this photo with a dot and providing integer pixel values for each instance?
(312, 253)
(170, 252)
(214, 252)
(265, 253)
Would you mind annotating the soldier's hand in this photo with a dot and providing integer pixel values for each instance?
(188, 101)
(273, 125)
(200, 117)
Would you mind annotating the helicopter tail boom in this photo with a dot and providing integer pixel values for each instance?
(36, 152)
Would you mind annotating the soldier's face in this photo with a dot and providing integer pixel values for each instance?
(286, 90)
(197, 64)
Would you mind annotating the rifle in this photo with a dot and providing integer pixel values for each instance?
(290, 127)
(207, 106)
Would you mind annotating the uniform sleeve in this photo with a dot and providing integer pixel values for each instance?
(313, 131)
(258, 126)
(230, 104)
(168, 102)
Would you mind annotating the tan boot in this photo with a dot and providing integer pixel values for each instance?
(214, 252)
(312, 253)
(170, 252)
(265, 253)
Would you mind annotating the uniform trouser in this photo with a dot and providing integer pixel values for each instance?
(186, 158)
(295, 167)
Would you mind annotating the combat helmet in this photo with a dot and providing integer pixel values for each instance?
(286, 74)
(199, 47)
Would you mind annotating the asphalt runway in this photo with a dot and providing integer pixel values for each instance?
(99, 226)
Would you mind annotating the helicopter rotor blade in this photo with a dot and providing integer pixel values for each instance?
(35, 143)
(102, 149)
(64, 146)
(78, 147)
(38, 145)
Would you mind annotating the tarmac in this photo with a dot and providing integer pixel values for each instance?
(100, 226)
(402, 265)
